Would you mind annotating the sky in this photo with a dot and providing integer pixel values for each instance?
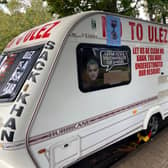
(4, 8)
(142, 13)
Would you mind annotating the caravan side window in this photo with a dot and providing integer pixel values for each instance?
(101, 66)
(15, 67)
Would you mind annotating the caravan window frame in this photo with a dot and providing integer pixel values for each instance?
(80, 62)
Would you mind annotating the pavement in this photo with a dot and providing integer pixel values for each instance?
(153, 154)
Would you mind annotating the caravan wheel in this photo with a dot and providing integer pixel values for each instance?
(153, 125)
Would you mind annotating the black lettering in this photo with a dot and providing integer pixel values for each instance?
(44, 55)
(18, 110)
(22, 97)
(8, 137)
(32, 76)
(11, 123)
(50, 45)
(39, 65)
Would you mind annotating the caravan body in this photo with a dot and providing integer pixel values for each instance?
(76, 85)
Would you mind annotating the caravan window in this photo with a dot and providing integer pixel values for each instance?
(101, 66)
(14, 69)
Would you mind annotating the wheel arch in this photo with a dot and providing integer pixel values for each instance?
(151, 112)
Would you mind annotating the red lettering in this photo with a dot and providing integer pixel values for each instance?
(142, 72)
(19, 40)
(36, 33)
(139, 31)
(153, 71)
(32, 37)
(39, 35)
(150, 33)
(104, 26)
(28, 35)
(157, 34)
(165, 37)
(161, 50)
(156, 39)
(158, 57)
(154, 50)
(47, 33)
(135, 50)
(142, 50)
(150, 57)
(147, 50)
(132, 24)
(141, 58)
(161, 34)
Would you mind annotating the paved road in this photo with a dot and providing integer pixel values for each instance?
(150, 155)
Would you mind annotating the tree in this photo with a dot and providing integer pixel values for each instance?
(17, 21)
(157, 10)
(68, 7)
(3, 1)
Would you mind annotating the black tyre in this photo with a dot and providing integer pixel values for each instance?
(153, 125)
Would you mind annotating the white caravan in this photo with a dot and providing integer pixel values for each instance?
(73, 86)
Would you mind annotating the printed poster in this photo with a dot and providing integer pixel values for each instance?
(113, 30)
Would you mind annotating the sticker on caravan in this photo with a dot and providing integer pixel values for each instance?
(12, 69)
(18, 73)
(93, 24)
(113, 31)
(110, 58)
